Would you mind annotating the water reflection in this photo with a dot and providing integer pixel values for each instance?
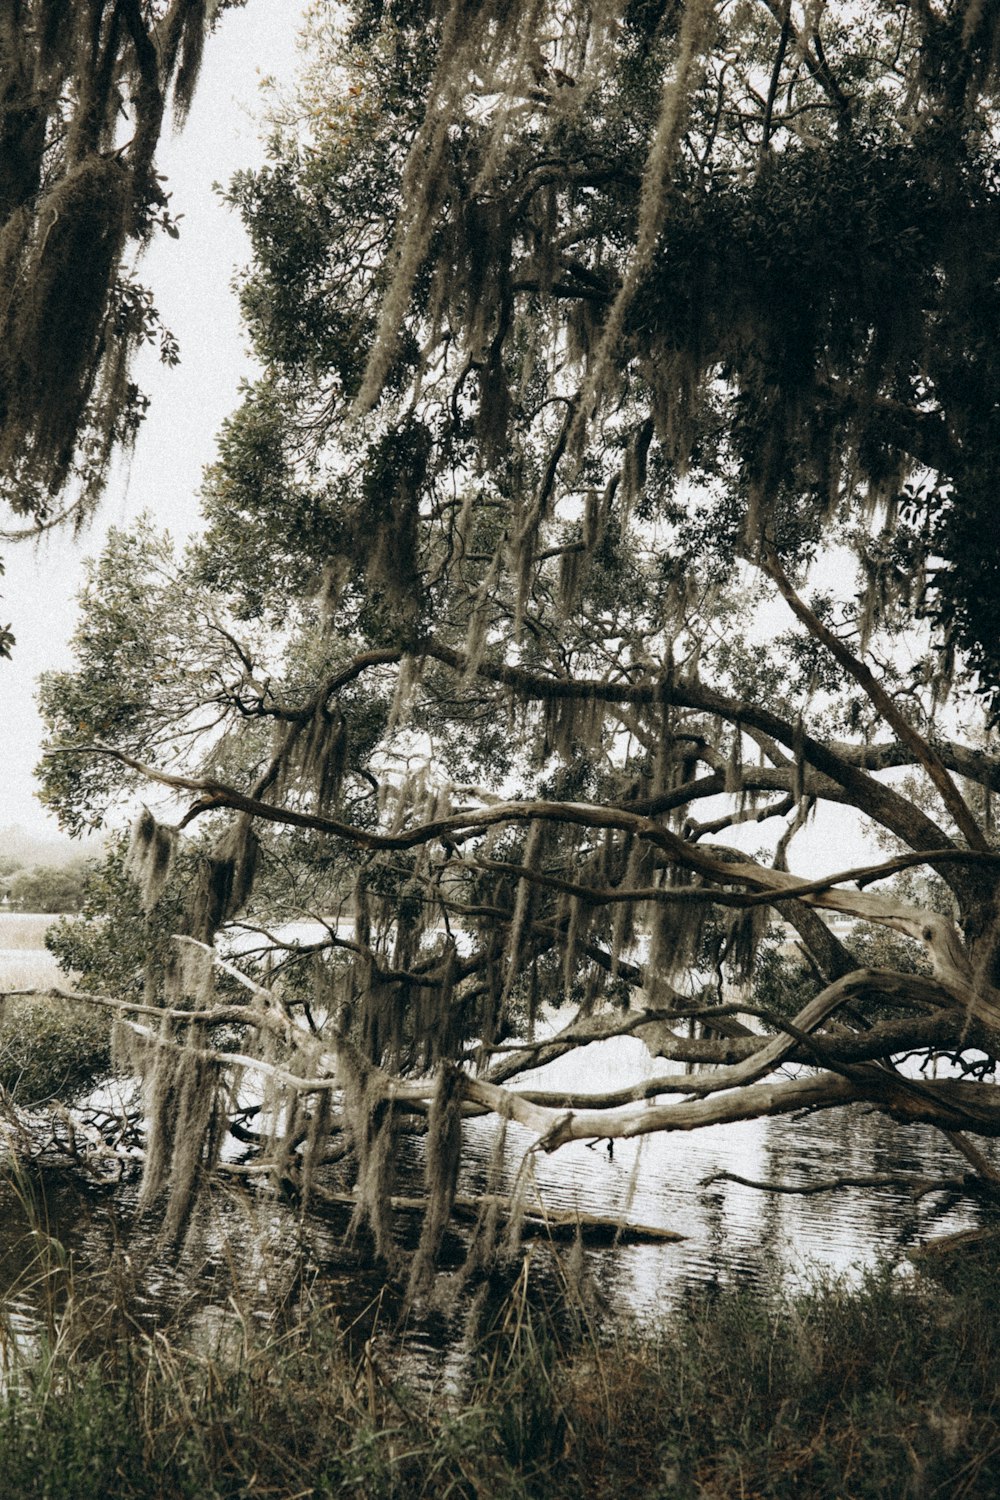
(734, 1233)
(252, 1255)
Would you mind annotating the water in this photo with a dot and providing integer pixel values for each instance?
(25, 962)
(734, 1234)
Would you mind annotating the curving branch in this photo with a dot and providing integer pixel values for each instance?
(943, 1103)
(922, 751)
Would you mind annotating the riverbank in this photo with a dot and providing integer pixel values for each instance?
(885, 1389)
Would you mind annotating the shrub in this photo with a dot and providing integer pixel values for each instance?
(51, 1048)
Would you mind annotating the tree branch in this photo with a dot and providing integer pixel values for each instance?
(935, 1104)
(917, 1185)
(925, 755)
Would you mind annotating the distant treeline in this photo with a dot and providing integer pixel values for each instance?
(42, 874)
(42, 887)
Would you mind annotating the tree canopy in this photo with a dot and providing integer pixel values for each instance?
(592, 337)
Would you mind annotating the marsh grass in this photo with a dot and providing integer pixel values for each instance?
(29, 969)
(23, 930)
(888, 1389)
(885, 1389)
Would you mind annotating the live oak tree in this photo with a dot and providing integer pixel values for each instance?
(592, 337)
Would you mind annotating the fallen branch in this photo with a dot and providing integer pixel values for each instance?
(916, 1185)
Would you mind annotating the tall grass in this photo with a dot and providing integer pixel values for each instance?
(886, 1390)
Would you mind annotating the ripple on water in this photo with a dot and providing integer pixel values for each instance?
(734, 1233)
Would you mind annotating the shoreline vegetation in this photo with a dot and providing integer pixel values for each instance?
(884, 1388)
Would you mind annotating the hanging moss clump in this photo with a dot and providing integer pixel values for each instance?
(150, 857)
(185, 1120)
(73, 200)
(225, 880)
(444, 1152)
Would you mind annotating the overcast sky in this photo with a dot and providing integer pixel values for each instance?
(190, 278)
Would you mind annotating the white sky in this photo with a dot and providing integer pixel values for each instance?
(190, 278)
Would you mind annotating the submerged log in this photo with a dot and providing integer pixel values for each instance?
(554, 1223)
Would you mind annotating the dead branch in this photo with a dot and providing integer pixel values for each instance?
(914, 1183)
